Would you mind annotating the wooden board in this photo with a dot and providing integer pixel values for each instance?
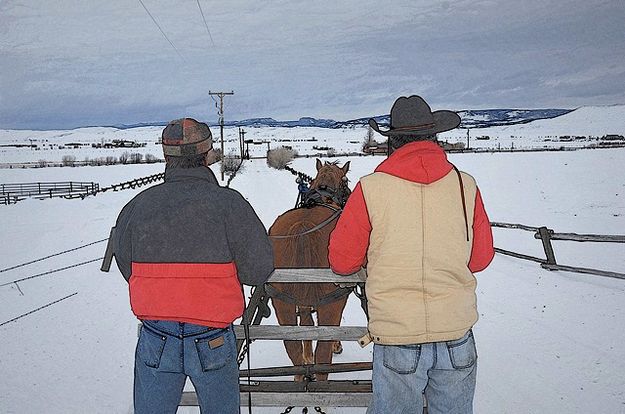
(314, 276)
(313, 333)
(298, 399)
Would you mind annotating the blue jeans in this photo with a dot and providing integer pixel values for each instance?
(169, 352)
(444, 371)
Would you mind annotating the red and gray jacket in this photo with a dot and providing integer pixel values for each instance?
(186, 246)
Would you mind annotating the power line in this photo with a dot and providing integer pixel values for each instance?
(205, 24)
(220, 113)
(162, 32)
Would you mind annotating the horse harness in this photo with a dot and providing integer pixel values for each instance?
(315, 198)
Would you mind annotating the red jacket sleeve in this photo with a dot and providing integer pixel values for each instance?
(482, 251)
(349, 240)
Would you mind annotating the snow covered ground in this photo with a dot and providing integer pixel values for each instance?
(548, 342)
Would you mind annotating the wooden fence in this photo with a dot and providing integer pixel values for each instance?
(12, 193)
(69, 190)
(281, 393)
(546, 235)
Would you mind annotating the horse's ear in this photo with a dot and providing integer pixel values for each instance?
(346, 167)
(319, 164)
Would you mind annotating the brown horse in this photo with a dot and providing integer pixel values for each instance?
(300, 240)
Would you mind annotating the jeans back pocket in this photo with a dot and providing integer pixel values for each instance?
(462, 352)
(215, 351)
(150, 347)
(402, 359)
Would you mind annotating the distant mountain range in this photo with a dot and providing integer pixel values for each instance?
(478, 118)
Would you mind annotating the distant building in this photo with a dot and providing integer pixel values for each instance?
(376, 148)
(613, 137)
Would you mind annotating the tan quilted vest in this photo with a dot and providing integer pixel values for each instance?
(419, 286)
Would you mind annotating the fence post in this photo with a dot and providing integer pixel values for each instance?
(545, 237)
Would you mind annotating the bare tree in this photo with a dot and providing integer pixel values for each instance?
(68, 160)
(369, 140)
(123, 159)
(136, 158)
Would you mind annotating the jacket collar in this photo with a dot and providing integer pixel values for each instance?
(184, 174)
(420, 161)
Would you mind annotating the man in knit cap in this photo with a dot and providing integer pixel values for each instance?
(185, 247)
(420, 228)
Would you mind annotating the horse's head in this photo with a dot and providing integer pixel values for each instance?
(331, 182)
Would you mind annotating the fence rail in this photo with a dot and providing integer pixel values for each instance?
(546, 235)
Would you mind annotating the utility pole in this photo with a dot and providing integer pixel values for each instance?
(220, 113)
(242, 140)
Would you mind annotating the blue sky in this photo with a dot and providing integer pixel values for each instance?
(71, 63)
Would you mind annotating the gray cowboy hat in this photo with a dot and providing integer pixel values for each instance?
(413, 116)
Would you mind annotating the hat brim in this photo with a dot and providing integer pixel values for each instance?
(443, 121)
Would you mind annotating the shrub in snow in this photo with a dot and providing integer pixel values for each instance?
(230, 163)
(280, 157)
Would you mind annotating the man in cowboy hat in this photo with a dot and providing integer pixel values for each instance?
(185, 247)
(419, 226)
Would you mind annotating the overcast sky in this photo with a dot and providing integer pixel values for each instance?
(71, 63)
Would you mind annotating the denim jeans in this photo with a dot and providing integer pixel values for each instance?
(444, 371)
(169, 352)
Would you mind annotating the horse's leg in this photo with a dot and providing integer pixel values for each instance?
(328, 315)
(286, 314)
(306, 319)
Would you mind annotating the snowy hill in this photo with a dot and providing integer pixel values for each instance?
(313, 136)
(587, 120)
(480, 118)
(473, 118)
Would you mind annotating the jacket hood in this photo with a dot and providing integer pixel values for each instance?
(420, 161)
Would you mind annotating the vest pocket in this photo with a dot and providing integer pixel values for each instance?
(402, 359)
(215, 351)
(150, 347)
(462, 352)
